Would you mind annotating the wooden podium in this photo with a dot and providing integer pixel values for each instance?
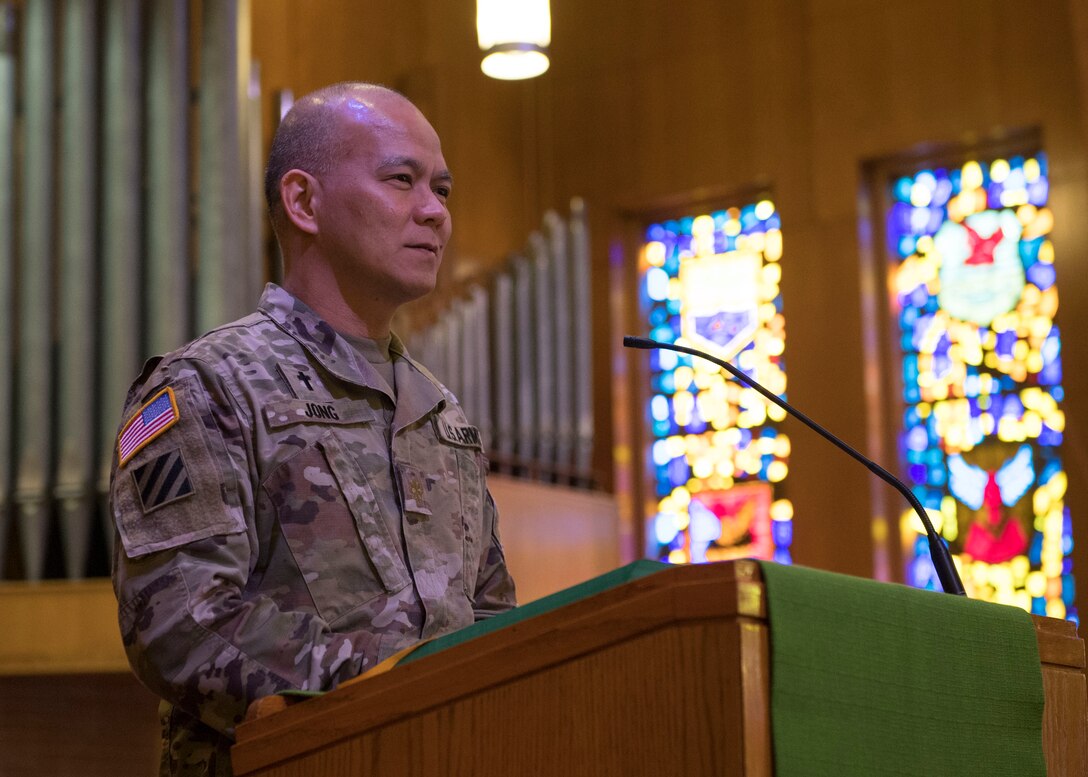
(667, 674)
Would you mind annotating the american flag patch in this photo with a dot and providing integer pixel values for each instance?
(155, 417)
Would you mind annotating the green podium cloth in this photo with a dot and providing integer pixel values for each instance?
(872, 678)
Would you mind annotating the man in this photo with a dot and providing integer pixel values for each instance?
(296, 499)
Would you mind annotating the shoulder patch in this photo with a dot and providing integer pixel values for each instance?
(162, 480)
(156, 416)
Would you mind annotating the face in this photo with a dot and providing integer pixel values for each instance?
(382, 220)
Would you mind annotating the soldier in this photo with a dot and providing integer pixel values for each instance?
(295, 497)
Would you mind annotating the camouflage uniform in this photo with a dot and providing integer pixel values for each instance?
(290, 525)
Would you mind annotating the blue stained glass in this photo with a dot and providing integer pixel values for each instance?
(1038, 606)
(673, 227)
(917, 439)
(902, 189)
(919, 297)
(1067, 565)
(664, 529)
(663, 334)
(679, 472)
(938, 476)
(917, 473)
(697, 425)
(673, 306)
(661, 428)
(685, 225)
(1029, 250)
(936, 218)
(1042, 275)
(672, 264)
(1048, 436)
(782, 533)
(911, 393)
(782, 556)
(942, 192)
(720, 217)
(1038, 192)
(954, 177)
(1035, 549)
(993, 196)
(907, 244)
(774, 222)
(1005, 342)
(1052, 345)
(919, 220)
(1068, 588)
(1051, 374)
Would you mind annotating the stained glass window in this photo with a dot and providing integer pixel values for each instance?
(974, 284)
(711, 281)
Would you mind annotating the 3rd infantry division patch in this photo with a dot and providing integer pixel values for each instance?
(162, 480)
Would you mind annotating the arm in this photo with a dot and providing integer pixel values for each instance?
(494, 587)
(188, 549)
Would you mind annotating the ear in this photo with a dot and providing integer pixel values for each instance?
(298, 190)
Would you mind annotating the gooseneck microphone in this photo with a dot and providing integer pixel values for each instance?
(942, 559)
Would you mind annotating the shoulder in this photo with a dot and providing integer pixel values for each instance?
(234, 354)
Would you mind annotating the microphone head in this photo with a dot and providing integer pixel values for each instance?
(639, 342)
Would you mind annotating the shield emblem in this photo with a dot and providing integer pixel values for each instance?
(720, 301)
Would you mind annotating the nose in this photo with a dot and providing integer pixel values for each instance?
(431, 209)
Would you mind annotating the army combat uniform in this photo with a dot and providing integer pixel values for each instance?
(286, 523)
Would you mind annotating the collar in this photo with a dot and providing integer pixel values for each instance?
(335, 354)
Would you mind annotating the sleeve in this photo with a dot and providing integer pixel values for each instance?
(182, 498)
(495, 591)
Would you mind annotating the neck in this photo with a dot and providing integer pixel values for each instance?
(348, 311)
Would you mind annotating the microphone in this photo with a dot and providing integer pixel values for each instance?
(938, 551)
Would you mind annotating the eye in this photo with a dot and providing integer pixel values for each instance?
(442, 191)
(402, 178)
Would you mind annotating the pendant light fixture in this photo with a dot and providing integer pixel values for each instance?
(514, 36)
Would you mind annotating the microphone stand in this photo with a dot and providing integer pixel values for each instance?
(938, 551)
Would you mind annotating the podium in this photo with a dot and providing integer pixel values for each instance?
(667, 674)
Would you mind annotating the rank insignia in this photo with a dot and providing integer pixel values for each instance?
(415, 490)
(162, 480)
(156, 416)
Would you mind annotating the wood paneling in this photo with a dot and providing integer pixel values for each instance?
(91, 725)
(60, 627)
(554, 537)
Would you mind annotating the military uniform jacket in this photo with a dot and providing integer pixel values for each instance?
(283, 523)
